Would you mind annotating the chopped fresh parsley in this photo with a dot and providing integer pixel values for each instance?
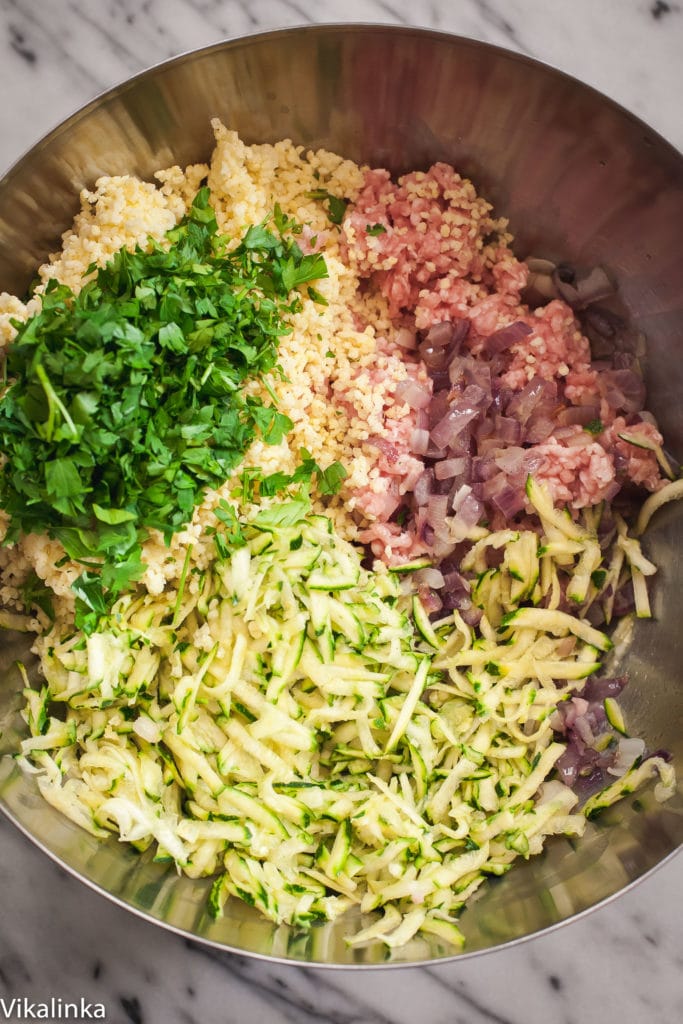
(308, 473)
(230, 535)
(316, 296)
(375, 229)
(126, 402)
(289, 513)
(598, 577)
(330, 480)
(36, 594)
(594, 427)
(336, 207)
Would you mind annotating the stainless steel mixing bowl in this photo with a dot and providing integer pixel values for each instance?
(579, 178)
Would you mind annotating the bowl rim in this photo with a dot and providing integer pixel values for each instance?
(306, 28)
(119, 89)
(286, 961)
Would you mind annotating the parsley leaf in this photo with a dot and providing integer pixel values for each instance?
(289, 513)
(36, 593)
(336, 206)
(331, 479)
(327, 481)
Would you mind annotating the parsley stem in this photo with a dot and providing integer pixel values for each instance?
(181, 587)
(54, 403)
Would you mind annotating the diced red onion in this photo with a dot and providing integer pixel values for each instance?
(405, 338)
(503, 338)
(453, 423)
(625, 360)
(424, 531)
(435, 359)
(479, 373)
(449, 468)
(471, 616)
(623, 389)
(630, 748)
(429, 577)
(532, 461)
(624, 601)
(524, 402)
(430, 601)
(578, 414)
(439, 406)
(467, 507)
(388, 448)
(539, 431)
(507, 498)
(456, 591)
(424, 487)
(577, 439)
(437, 509)
(603, 321)
(583, 728)
(511, 460)
(483, 468)
(507, 429)
(419, 441)
(422, 419)
(476, 396)
(460, 496)
(567, 765)
(620, 461)
(439, 335)
(414, 394)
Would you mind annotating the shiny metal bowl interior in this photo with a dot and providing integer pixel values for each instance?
(580, 179)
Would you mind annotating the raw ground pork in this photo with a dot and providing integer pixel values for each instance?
(503, 389)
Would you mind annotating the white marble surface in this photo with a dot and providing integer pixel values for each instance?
(623, 963)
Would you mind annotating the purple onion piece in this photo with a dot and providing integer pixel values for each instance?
(414, 394)
(507, 429)
(419, 441)
(502, 339)
(471, 616)
(424, 487)
(439, 335)
(435, 359)
(405, 338)
(523, 403)
(602, 321)
(439, 406)
(448, 468)
(598, 689)
(437, 510)
(453, 423)
(456, 592)
(578, 415)
(623, 389)
(507, 498)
